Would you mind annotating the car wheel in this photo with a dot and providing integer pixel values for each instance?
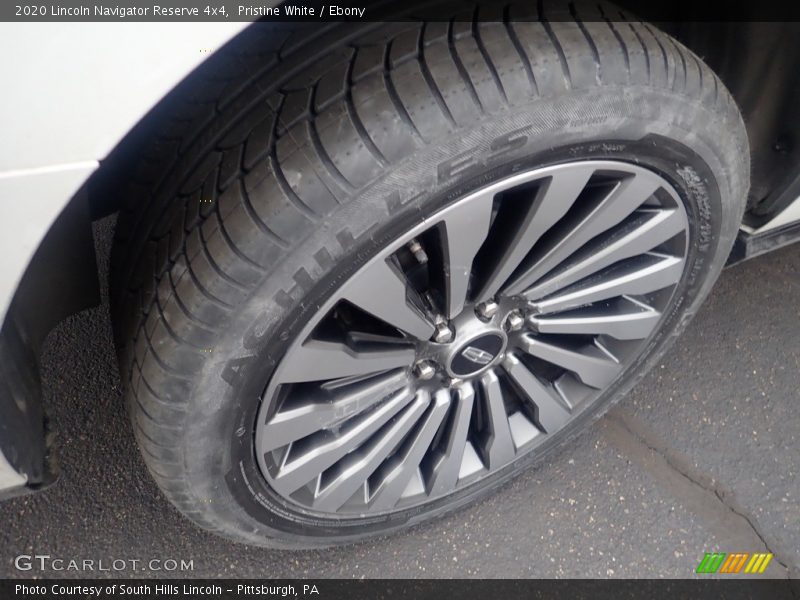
(387, 268)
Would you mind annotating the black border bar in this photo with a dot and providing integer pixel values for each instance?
(724, 589)
(321, 11)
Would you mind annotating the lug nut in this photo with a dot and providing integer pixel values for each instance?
(486, 310)
(514, 321)
(424, 370)
(443, 333)
(453, 381)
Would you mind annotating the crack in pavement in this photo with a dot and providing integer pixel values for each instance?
(700, 493)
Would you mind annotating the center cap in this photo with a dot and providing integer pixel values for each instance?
(476, 355)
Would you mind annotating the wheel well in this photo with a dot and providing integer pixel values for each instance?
(43, 299)
(164, 123)
(758, 63)
(62, 279)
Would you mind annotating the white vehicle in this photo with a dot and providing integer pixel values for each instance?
(364, 273)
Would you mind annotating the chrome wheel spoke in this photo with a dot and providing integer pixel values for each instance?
(447, 466)
(654, 273)
(329, 447)
(553, 199)
(322, 410)
(551, 413)
(499, 447)
(472, 339)
(355, 469)
(382, 291)
(318, 360)
(627, 320)
(464, 232)
(406, 465)
(626, 196)
(644, 232)
(592, 366)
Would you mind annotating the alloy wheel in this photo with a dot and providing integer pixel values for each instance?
(473, 339)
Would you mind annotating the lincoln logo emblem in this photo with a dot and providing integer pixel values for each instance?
(477, 355)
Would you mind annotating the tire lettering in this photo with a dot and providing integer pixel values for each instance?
(453, 166)
(509, 142)
(257, 332)
(235, 368)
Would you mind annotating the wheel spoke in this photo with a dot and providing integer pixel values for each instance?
(551, 414)
(653, 273)
(394, 483)
(646, 231)
(553, 199)
(324, 409)
(446, 469)
(463, 234)
(381, 290)
(317, 360)
(358, 466)
(626, 197)
(324, 449)
(499, 447)
(592, 366)
(625, 320)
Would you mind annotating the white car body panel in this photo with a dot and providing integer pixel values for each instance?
(71, 92)
(790, 214)
(9, 478)
(75, 89)
(30, 200)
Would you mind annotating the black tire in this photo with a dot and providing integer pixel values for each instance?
(312, 149)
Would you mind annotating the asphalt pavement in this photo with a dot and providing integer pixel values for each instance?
(702, 456)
